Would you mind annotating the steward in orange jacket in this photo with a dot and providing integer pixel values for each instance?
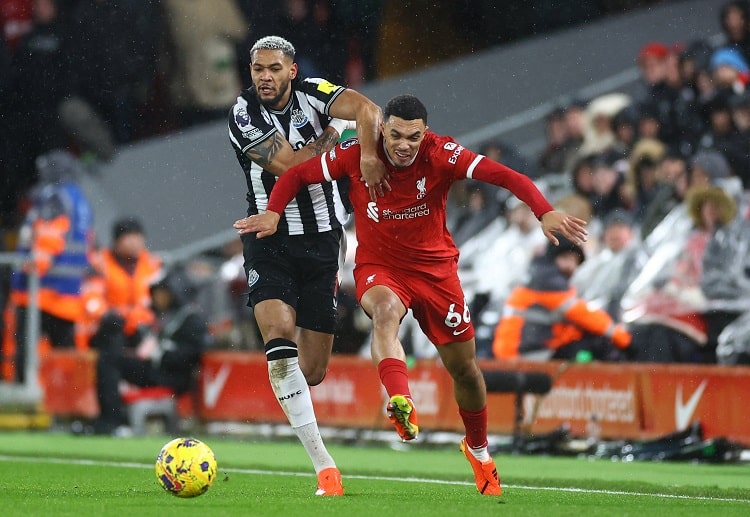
(56, 234)
(546, 314)
(115, 295)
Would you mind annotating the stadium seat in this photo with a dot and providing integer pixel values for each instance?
(144, 403)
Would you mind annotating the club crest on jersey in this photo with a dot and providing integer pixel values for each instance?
(421, 187)
(299, 118)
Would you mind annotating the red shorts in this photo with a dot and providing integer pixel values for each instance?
(436, 299)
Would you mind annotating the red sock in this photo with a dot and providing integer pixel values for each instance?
(394, 377)
(475, 423)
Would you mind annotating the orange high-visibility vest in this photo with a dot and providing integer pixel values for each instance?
(113, 288)
(567, 318)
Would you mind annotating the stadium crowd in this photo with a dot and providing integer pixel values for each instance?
(662, 176)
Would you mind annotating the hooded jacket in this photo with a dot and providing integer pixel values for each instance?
(547, 312)
(182, 332)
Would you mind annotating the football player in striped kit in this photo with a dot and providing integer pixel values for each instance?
(280, 121)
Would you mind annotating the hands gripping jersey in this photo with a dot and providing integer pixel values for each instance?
(318, 208)
(406, 228)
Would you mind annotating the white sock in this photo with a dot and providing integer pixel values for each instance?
(481, 453)
(291, 390)
(310, 437)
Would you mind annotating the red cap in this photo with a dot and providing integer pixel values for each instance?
(653, 49)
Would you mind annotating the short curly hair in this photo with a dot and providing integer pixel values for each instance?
(406, 107)
(273, 43)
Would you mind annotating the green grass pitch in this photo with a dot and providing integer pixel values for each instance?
(57, 474)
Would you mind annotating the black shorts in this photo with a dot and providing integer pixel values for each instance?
(300, 270)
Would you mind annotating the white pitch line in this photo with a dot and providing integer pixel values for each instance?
(132, 465)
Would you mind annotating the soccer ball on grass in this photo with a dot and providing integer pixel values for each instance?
(186, 467)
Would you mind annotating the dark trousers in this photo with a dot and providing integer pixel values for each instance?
(116, 362)
(61, 334)
(661, 344)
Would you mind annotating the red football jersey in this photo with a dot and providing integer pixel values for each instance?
(406, 228)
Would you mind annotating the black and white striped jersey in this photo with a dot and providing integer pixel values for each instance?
(319, 207)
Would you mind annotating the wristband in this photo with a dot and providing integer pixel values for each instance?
(339, 125)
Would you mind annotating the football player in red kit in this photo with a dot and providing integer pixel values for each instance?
(406, 258)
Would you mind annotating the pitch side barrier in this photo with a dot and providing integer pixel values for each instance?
(27, 394)
(631, 400)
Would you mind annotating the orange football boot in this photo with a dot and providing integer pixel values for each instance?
(329, 483)
(485, 473)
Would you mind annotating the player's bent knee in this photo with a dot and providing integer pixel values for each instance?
(465, 373)
(315, 378)
(314, 375)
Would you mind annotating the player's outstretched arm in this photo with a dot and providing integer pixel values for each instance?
(352, 105)
(264, 224)
(276, 155)
(283, 192)
(558, 222)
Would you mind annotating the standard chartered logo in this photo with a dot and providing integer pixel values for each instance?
(412, 212)
(408, 213)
